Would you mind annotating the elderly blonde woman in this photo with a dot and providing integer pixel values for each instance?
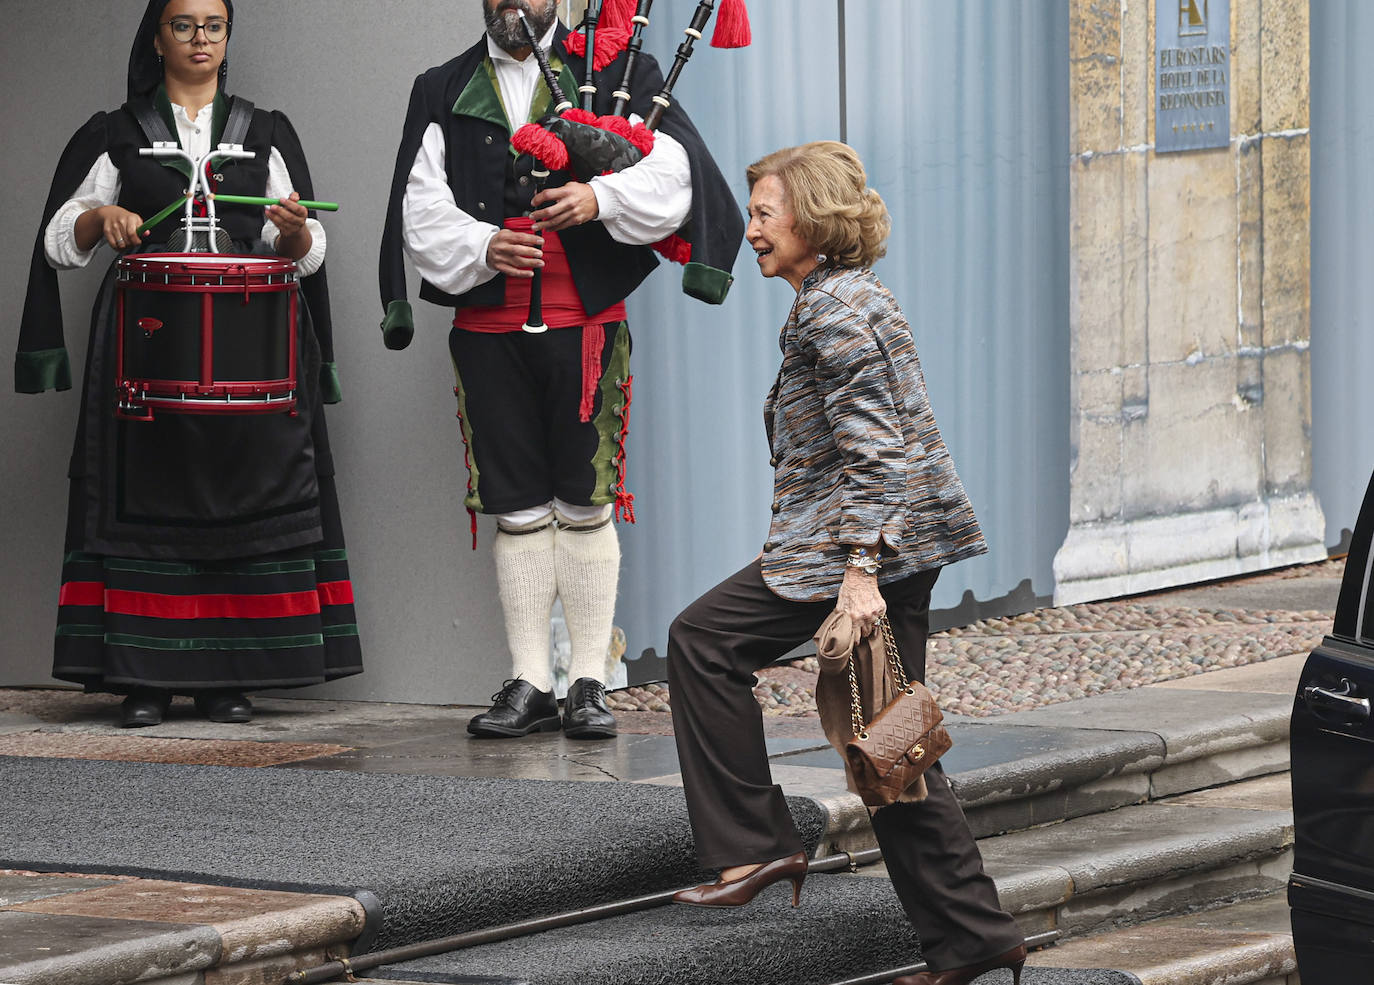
(867, 509)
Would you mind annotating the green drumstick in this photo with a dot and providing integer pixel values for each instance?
(179, 203)
(258, 200)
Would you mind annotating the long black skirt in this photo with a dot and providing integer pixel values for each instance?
(278, 620)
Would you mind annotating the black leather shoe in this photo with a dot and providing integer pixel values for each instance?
(231, 707)
(585, 715)
(519, 708)
(143, 707)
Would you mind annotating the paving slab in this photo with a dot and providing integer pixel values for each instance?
(18, 722)
(1277, 676)
(250, 924)
(1311, 593)
(535, 757)
(1191, 723)
(53, 949)
(17, 888)
(1266, 793)
(144, 749)
(1241, 943)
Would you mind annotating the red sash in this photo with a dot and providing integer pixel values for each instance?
(562, 306)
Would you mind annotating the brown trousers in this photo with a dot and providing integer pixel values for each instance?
(739, 815)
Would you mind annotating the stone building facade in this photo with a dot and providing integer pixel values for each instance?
(1190, 310)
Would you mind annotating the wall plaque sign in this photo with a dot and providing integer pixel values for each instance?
(1192, 74)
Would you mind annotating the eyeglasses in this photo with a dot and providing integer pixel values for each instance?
(184, 29)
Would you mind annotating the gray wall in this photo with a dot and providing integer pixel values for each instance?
(1342, 32)
(342, 70)
(969, 148)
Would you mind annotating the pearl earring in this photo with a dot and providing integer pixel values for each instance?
(821, 258)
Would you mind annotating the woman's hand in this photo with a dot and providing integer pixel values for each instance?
(115, 225)
(567, 205)
(860, 599)
(288, 215)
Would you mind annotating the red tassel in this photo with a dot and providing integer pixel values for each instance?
(593, 342)
(472, 516)
(642, 137)
(579, 115)
(534, 140)
(613, 29)
(624, 499)
(610, 42)
(625, 506)
(617, 14)
(675, 249)
(615, 124)
(732, 26)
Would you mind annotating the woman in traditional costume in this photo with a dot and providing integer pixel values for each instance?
(204, 552)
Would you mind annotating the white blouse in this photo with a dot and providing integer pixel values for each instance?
(102, 185)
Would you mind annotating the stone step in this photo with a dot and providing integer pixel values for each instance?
(1144, 862)
(1147, 861)
(62, 930)
(1116, 876)
(1249, 943)
(1075, 759)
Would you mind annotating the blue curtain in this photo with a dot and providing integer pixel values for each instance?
(1342, 90)
(960, 112)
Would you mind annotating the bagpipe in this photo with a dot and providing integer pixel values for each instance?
(575, 140)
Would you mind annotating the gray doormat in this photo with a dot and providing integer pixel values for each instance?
(845, 928)
(428, 856)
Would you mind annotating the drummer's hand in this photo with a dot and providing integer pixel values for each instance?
(289, 215)
(861, 600)
(568, 205)
(515, 254)
(112, 223)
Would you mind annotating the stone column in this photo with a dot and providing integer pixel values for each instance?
(1189, 314)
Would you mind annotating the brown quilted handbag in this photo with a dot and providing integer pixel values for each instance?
(891, 752)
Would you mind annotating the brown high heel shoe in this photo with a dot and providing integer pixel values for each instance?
(1014, 959)
(739, 891)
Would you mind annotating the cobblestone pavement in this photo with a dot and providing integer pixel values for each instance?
(1014, 663)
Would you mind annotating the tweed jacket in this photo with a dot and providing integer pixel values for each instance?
(857, 457)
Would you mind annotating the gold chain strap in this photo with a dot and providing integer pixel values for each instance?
(856, 712)
(894, 659)
(894, 662)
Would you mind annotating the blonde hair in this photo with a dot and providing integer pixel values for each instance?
(833, 209)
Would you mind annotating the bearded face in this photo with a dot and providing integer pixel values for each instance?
(503, 20)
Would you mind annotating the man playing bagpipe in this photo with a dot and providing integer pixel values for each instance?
(515, 250)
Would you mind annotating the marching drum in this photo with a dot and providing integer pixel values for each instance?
(205, 333)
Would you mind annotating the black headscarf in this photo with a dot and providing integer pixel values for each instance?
(145, 70)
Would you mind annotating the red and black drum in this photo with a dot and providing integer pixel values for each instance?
(205, 333)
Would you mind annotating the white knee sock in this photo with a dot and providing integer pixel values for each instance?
(525, 578)
(587, 562)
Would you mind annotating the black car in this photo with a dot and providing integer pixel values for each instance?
(1331, 891)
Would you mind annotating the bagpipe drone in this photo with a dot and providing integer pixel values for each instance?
(575, 140)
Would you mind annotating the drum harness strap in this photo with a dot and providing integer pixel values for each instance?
(154, 127)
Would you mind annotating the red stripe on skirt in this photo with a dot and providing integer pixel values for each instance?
(82, 593)
(212, 606)
(335, 592)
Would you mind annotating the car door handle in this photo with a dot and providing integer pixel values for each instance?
(1343, 704)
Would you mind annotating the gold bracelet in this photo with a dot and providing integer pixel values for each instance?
(860, 558)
